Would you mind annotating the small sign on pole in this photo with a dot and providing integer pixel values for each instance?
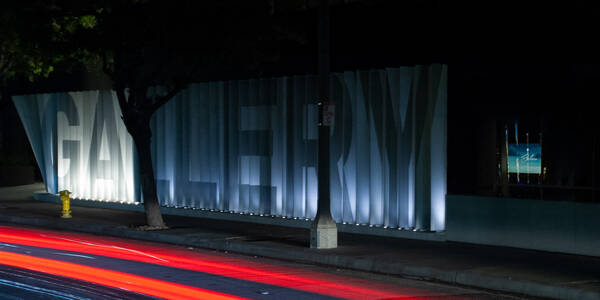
(328, 114)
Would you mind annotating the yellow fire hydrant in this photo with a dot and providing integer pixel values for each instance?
(66, 204)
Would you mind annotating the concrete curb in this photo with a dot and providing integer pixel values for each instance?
(237, 217)
(307, 255)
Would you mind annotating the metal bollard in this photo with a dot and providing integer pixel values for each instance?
(66, 204)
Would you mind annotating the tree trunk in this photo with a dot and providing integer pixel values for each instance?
(2, 99)
(137, 112)
(142, 137)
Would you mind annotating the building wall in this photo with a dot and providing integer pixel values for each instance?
(557, 226)
(249, 146)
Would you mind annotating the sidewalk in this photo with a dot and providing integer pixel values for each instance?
(527, 272)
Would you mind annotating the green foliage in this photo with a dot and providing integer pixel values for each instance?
(165, 42)
(138, 42)
(38, 68)
(88, 22)
(37, 36)
(66, 26)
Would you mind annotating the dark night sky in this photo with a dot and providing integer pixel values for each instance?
(470, 35)
(507, 60)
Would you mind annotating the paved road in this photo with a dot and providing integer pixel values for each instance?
(43, 264)
(16, 283)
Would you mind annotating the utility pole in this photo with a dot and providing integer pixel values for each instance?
(323, 232)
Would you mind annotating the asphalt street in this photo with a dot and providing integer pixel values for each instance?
(45, 264)
(16, 283)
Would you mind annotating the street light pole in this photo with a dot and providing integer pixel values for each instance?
(323, 232)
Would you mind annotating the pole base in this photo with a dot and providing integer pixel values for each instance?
(66, 215)
(323, 233)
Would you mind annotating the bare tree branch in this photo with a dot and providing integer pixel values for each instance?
(6, 63)
(123, 104)
(164, 99)
(106, 65)
(2, 62)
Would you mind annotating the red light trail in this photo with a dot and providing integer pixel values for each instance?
(143, 285)
(309, 281)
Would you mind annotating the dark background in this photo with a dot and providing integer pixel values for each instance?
(536, 64)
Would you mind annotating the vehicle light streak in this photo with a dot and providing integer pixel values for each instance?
(39, 290)
(143, 285)
(314, 282)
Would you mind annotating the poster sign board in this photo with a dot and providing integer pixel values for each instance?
(525, 158)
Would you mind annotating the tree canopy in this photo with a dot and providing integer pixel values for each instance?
(142, 44)
(36, 38)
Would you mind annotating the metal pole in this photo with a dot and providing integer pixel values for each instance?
(323, 156)
(323, 230)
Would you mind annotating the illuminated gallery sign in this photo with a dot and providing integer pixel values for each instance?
(525, 158)
(250, 146)
(80, 143)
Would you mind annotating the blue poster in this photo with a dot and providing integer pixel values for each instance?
(525, 158)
